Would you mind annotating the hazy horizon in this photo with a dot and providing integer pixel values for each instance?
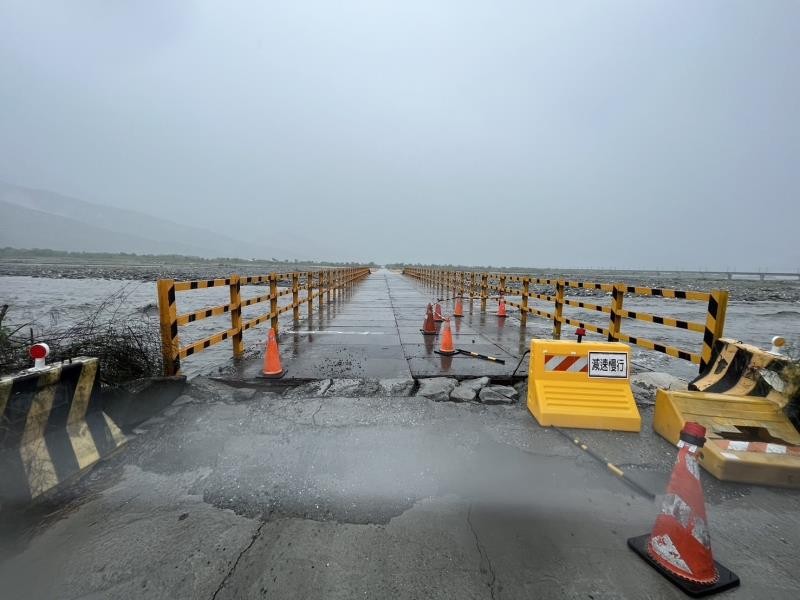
(588, 135)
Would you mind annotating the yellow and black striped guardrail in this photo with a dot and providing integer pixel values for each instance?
(304, 287)
(52, 427)
(480, 285)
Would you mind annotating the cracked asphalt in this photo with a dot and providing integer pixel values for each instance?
(228, 495)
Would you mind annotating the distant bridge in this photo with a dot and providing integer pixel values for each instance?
(762, 275)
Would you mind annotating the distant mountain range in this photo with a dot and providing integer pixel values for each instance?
(31, 218)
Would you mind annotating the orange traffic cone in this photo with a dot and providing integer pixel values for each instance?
(447, 348)
(429, 327)
(272, 358)
(459, 309)
(679, 546)
(501, 310)
(437, 313)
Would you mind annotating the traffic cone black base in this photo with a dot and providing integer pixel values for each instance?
(453, 353)
(727, 579)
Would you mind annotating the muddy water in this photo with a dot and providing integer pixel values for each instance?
(756, 312)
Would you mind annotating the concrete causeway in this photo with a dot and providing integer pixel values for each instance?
(373, 331)
(330, 489)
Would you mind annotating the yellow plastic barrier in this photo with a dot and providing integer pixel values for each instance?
(750, 439)
(582, 385)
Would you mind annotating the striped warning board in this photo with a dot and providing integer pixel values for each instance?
(51, 428)
(764, 447)
(563, 362)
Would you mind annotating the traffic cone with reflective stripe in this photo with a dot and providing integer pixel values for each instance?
(272, 358)
(447, 347)
(458, 311)
(679, 546)
(428, 326)
(437, 313)
(501, 309)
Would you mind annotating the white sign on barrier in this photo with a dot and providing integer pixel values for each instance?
(612, 365)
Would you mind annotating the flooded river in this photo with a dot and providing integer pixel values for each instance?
(756, 312)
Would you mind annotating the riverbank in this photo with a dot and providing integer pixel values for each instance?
(133, 271)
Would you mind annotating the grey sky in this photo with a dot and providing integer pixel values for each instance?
(625, 134)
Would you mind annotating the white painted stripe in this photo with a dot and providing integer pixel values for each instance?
(700, 531)
(776, 449)
(328, 331)
(692, 467)
(554, 362)
(674, 506)
(730, 456)
(737, 446)
(578, 365)
(663, 546)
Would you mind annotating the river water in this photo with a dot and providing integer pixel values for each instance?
(756, 312)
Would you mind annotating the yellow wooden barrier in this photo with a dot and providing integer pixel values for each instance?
(172, 352)
(712, 329)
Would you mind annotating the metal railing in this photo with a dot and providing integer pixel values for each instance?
(478, 285)
(315, 284)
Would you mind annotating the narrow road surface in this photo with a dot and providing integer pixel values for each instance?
(373, 331)
(250, 493)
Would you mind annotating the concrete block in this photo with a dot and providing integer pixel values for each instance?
(436, 388)
(475, 384)
(498, 394)
(396, 387)
(463, 393)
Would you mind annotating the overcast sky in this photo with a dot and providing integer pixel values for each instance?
(573, 134)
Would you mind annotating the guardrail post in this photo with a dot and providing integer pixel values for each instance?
(310, 293)
(296, 296)
(236, 316)
(523, 317)
(559, 309)
(168, 317)
(502, 285)
(321, 288)
(484, 290)
(715, 325)
(615, 321)
(329, 281)
(471, 287)
(273, 300)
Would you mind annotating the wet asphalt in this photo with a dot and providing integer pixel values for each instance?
(256, 493)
